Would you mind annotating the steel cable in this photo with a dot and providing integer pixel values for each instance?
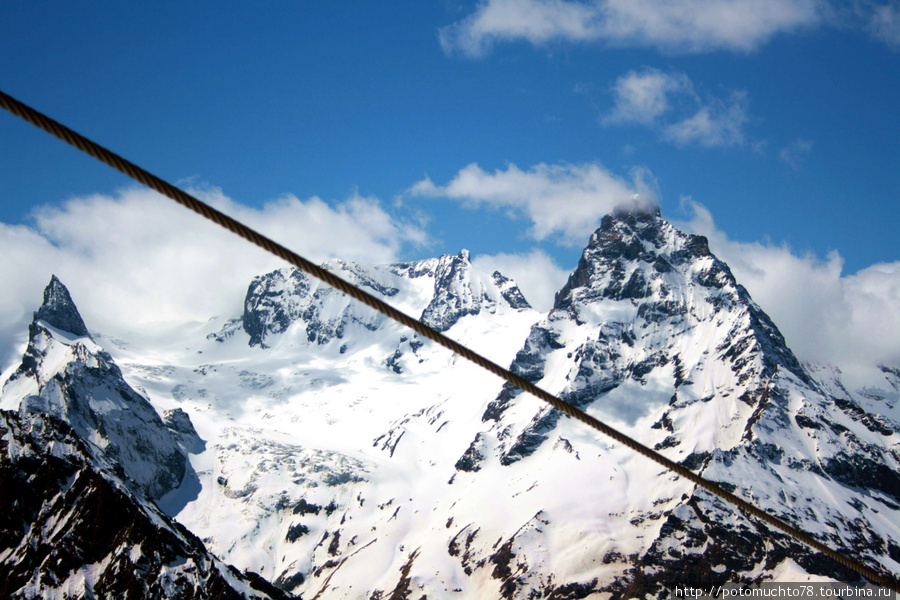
(138, 174)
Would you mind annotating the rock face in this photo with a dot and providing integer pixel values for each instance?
(649, 303)
(66, 375)
(71, 528)
(59, 311)
(440, 291)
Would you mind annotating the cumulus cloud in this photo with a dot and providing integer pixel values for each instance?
(644, 97)
(136, 258)
(670, 104)
(852, 321)
(564, 201)
(681, 25)
(538, 275)
(717, 123)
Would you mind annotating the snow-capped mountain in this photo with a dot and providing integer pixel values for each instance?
(65, 374)
(80, 463)
(653, 333)
(340, 456)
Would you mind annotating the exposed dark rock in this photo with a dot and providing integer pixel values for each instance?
(695, 461)
(498, 406)
(573, 591)
(135, 550)
(393, 362)
(471, 459)
(864, 472)
(295, 532)
(403, 590)
(59, 311)
(532, 436)
(290, 582)
(306, 508)
(874, 423)
(335, 544)
(510, 291)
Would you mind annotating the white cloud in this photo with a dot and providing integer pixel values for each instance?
(674, 25)
(883, 22)
(537, 21)
(137, 258)
(852, 321)
(644, 97)
(559, 200)
(670, 104)
(716, 123)
(794, 153)
(538, 275)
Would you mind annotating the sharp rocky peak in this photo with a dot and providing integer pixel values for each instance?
(629, 249)
(460, 291)
(648, 302)
(639, 257)
(59, 311)
(76, 381)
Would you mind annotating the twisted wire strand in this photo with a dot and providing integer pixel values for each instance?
(163, 187)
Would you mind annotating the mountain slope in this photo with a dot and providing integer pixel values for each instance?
(653, 334)
(71, 528)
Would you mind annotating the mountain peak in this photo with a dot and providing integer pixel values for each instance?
(59, 311)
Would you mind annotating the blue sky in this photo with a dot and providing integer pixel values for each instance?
(508, 127)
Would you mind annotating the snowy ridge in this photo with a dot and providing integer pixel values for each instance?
(312, 467)
(650, 314)
(440, 291)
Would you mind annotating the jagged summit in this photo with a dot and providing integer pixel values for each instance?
(59, 311)
(639, 257)
(460, 290)
(439, 291)
(649, 305)
(78, 382)
(624, 241)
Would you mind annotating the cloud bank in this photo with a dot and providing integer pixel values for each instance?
(565, 202)
(852, 321)
(136, 259)
(676, 26)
